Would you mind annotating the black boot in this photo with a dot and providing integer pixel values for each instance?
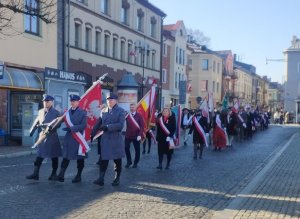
(35, 174)
(100, 180)
(61, 175)
(159, 166)
(116, 181)
(53, 175)
(77, 178)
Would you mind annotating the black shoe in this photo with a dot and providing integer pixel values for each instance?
(134, 165)
(143, 152)
(185, 144)
(148, 152)
(159, 167)
(77, 179)
(167, 167)
(52, 177)
(33, 176)
(99, 182)
(128, 165)
(195, 157)
(116, 182)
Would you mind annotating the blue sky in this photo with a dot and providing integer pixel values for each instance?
(252, 29)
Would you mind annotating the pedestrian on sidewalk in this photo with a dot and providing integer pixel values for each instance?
(200, 131)
(76, 121)
(166, 126)
(112, 141)
(134, 132)
(50, 147)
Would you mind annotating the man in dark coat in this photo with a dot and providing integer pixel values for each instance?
(198, 140)
(112, 141)
(134, 132)
(50, 146)
(75, 125)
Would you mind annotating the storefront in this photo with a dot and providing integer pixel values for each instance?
(19, 88)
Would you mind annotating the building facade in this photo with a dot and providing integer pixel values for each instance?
(115, 37)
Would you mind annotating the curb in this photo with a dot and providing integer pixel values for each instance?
(18, 154)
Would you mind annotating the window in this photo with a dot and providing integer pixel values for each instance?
(130, 52)
(205, 64)
(180, 56)
(176, 80)
(77, 35)
(125, 11)
(213, 88)
(164, 76)
(122, 55)
(115, 48)
(163, 101)
(105, 7)
(153, 27)
(32, 23)
(214, 66)
(203, 85)
(88, 38)
(98, 42)
(140, 20)
(148, 60)
(82, 1)
(218, 68)
(190, 62)
(183, 57)
(153, 60)
(217, 87)
(177, 54)
(165, 52)
(106, 44)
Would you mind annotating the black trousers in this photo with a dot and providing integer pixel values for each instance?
(65, 163)
(163, 148)
(148, 138)
(118, 165)
(136, 145)
(39, 160)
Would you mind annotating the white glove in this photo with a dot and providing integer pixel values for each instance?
(168, 139)
(138, 138)
(225, 129)
(244, 125)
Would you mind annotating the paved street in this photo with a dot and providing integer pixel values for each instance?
(207, 188)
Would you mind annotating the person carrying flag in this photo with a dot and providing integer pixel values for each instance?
(133, 134)
(76, 121)
(200, 131)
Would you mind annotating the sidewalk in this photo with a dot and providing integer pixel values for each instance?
(15, 151)
(274, 192)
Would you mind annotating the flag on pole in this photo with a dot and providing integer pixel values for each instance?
(91, 103)
(145, 107)
(177, 111)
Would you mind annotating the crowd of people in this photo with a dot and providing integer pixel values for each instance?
(217, 128)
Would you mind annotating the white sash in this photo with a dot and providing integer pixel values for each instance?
(83, 145)
(200, 130)
(133, 121)
(163, 127)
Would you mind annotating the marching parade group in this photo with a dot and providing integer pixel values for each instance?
(216, 128)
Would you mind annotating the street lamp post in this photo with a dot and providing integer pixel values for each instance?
(143, 50)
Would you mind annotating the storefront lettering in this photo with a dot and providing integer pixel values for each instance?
(67, 75)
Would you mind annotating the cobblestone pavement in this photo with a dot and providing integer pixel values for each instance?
(190, 189)
(275, 192)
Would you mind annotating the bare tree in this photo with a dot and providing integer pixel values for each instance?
(45, 10)
(197, 36)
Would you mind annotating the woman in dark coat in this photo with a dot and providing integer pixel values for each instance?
(166, 126)
(232, 123)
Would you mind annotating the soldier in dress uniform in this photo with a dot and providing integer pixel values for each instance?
(77, 123)
(112, 141)
(50, 146)
(134, 132)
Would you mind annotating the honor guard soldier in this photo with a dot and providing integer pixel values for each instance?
(112, 141)
(50, 146)
(76, 121)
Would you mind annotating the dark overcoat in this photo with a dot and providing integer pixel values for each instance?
(112, 140)
(50, 147)
(71, 146)
(95, 131)
(161, 137)
(197, 139)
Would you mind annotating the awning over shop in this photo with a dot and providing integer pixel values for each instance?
(23, 79)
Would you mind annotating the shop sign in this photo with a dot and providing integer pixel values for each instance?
(66, 76)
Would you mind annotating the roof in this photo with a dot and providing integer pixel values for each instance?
(152, 7)
(172, 27)
(247, 67)
(168, 35)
